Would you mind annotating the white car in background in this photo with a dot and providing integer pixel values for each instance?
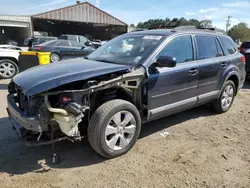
(9, 61)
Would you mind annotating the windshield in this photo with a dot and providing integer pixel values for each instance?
(126, 49)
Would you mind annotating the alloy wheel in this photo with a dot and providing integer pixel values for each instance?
(120, 130)
(7, 70)
(227, 97)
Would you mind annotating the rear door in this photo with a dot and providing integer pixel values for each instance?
(210, 58)
(233, 58)
(78, 49)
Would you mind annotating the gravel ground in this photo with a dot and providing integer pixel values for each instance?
(202, 150)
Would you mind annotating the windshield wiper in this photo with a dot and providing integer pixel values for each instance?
(108, 61)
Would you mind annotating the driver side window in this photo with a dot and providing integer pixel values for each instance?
(180, 47)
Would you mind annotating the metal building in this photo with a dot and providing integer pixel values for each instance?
(81, 18)
(14, 28)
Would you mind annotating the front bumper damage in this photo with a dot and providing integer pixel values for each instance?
(30, 126)
(20, 121)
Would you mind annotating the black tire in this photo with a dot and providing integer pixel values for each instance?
(217, 105)
(14, 66)
(55, 54)
(99, 122)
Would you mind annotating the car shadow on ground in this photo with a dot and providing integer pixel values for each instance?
(247, 84)
(16, 158)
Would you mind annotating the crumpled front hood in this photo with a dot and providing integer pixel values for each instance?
(42, 78)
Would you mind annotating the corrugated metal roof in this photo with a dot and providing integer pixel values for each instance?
(81, 12)
(15, 18)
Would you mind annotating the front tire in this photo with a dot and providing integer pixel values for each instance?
(225, 101)
(8, 69)
(114, 128)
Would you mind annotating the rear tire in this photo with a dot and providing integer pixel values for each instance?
(114, 128)
(225, 101)
(54, 57)
(8, 69)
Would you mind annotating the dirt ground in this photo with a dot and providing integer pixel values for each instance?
(202, 150)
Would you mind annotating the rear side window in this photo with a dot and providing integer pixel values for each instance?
(63, 43)
(219, 49)
(206, 47)
(76, 44)
(227, 45)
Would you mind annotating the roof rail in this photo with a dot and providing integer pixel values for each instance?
(184, 28)
(188, 28)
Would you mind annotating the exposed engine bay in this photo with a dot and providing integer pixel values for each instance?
(66, 110)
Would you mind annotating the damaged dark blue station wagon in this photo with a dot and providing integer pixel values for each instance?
(133, 79)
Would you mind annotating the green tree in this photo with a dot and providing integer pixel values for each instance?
(206, 24)
(157, 23)
(194, 22)
(132, 25)
(240, 32)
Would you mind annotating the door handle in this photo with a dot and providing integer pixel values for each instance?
(223, 64)
(193, 71)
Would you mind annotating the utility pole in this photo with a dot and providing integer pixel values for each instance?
(228, 22)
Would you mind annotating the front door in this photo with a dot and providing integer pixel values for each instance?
(173, 89)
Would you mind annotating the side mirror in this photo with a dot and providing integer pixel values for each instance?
(166, 61)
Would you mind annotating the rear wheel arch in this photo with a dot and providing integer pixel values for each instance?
(233, 76)
(235, 79)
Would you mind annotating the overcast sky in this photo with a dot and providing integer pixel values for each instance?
(134, 11)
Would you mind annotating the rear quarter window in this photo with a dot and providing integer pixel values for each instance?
(227, 45)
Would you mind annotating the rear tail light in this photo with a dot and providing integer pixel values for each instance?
(243, 59)
(39, 48)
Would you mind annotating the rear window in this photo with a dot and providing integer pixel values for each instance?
(207, 47)
(246, 45)
(227, 45)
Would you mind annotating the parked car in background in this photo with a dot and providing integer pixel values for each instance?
(245, 50)
(108, 95)
(38, 40)
(78, 38)
(97, 43)
(10, 47)
(63, 49)
(9, 61)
